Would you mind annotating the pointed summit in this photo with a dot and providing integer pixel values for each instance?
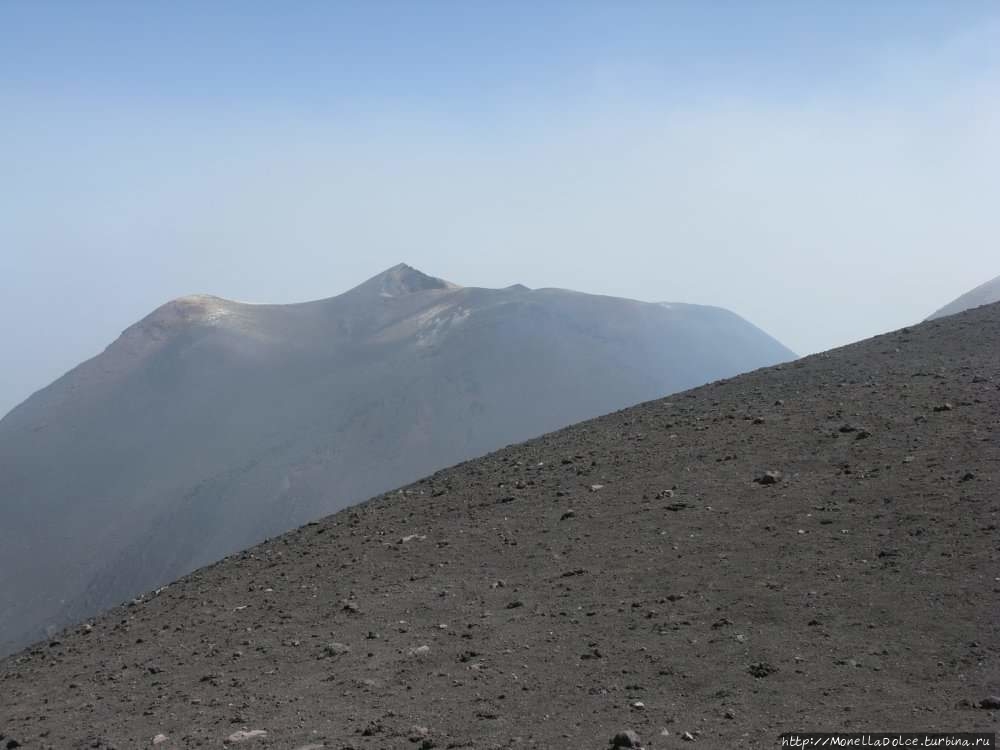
(401, 280)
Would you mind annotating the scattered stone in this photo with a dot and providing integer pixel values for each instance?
(990, 703)
(847, 428)
(336, 649)
(567, 515)
(160, 739)
(761, 669)
(352, 607)
(687, 737)
(596, 487)
(420, 651)
(729, 714)
(946, 406)
(769, 477)
(637, 706)
(628, 738)
(516, 604)
(418, 733)
(967, 477)
(246, 734)
(862, 435)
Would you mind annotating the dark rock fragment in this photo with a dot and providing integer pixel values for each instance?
(628, 738)
(761, 669)
(769, 477)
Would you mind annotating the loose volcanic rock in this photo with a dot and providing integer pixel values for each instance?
(627, 738)
(246, 734)
(336, 649)
(769, 477)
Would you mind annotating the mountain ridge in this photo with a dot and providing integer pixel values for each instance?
(211, 424)
(984, 294)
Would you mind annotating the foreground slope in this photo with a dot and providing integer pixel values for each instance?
(984, 294)
(530, 598)
(211, 425)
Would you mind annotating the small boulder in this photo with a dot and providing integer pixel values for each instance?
(769, 477)
(246, 734)
(628, 738)
(418, 733)
(761, 669)
(336, 649)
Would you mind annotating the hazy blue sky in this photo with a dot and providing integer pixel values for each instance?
(829, 170)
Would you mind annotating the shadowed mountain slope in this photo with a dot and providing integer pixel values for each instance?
(641, 570)
(211, 425)
(984, 294)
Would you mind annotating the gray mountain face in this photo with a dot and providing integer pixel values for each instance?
(210, 424)
(984, 294)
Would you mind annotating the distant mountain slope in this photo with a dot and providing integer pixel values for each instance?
(210, 424)
(810, 547)
(984, 294)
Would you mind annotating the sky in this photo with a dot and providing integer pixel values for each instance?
(829, 171)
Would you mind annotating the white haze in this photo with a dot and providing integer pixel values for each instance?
(823, 218)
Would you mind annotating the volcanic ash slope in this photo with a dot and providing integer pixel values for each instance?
(808, 547)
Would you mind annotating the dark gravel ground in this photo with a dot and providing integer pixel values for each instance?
(623, 573)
